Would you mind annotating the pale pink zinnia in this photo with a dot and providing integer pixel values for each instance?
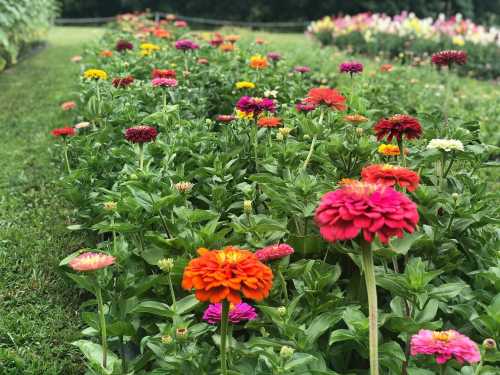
(273, 252)
(237, 313)
(91, 261)
(368, 208)
(67, 106)
(164, 82)
(445, 345)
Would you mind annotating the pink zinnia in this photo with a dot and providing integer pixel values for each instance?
(305, 107)
(91, 261)
(164, 82)
(274, 252)
(186, 45)
(225, 118)
(141, 134)
(237, 313)
(67, 106)
(445, 345)
(351, 67)
(274, 56)
(368, 208)
(180, 24)
(302, 69)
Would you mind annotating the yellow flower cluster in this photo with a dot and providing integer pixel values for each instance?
(95, 74)
(245, 85)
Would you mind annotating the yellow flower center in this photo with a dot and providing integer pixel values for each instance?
(442, 336)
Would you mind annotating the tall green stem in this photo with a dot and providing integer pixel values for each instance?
(283, 286)
(172, 292)
(371, 289)
(141, 156)
(102, 324)
(479, 367)
(446, 99)
(66, 156)
(402, 152)
(223, 337)
(309, 155)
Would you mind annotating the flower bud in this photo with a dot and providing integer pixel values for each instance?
(307, 136)
(279, 136)
(183, 186)
(247, 206)
(166, 264)
(286, 352)
(285, 132)
(360, 131)
(282, 310)
(167, 340)
(181, 332)
(455, 196)
(110, 206)
(489, 344)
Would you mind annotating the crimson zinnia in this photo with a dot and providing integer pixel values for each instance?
(141, 134)
(163, 73)
(390, 175)
(122, 81)
(450, 57)
(63, 132)
(398, 126)
(368, 208)
(326, 96)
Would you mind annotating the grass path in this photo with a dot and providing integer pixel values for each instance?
(38, 305)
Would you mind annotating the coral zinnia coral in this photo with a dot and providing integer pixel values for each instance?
(163, 73)
(324, 95)
(227, 274)
(258, 62)
(390, 175)
(448, 58)
(141, 134)
(268, 122)
(445, 345)
(398, 126)
(362, 207)
(274, 252)
(237, 313)
(63, 132)
(91, 261)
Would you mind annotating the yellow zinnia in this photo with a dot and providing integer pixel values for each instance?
(245, 85)
(388, 150)
(95, 74)
(244, 115)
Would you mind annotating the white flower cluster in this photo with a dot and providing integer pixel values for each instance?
(445, 144)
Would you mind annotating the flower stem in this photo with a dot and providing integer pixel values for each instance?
(446, 98)
(102, 323)
(309, 155)
(371, 289)
(223, 336)
(141, 156)
(66, 156)
(402, 152)
(283, 286)
(442, 369)
(164, 100)
(172, 292)
(479, 367)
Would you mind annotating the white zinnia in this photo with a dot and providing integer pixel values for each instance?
(445, 144)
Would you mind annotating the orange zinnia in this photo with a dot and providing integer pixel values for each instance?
(258, 62)
(269, 122)
(227, 274)
(227, 47)
(326, 96)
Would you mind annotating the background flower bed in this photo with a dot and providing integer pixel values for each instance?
(448, 267)
(409, 39)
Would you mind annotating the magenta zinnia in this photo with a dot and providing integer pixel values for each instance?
(141, 134)
(368, 208)
(302, 69)
(448, 58)
(274, 252)
(91, 261)
(237, 313)
(255, 106)
(351, 67)
(186, 45)
(445, 345)
(164, 82)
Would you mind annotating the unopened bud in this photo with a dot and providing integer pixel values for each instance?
(183, 186)
(181, 332)
(247, 206)
(360, 131)
(455, 196)
(282, 310)
(167, 340)
(286, 352)
(285, 132)
(166, 264)
(279, 136)
(489, 344)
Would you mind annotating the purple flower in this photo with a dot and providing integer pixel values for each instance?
(237, 313)
(274, 56)
(164, 82)
(186, 45)
(351, 67)
(256, 106)
(302, 69)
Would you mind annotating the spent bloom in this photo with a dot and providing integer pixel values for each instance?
(445, 345)
(268, 122)
(326, 96)
(68, 106)
(390, 175)
(368, 208)
(91, 261)
(141, 134)
(448, 58)
(245, 85)
(164, 82)
(445, 145)
(163, 73)
(237, 313)
(398, 126)
(183, 186)
(227, 274)
(351, 67)
(274, 252)
(122, 81)
(186, 45)
(258, 62)
(355, 119)
(166, 264)
(96, 74)
(63, 132)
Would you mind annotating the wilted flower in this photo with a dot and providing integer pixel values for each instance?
(390, 175)
(286, 352)
(398, 126)
(186, 45)
(351, 67)
(91, 261)
(274, 252)
(445, 345)
(245, 85)
(164, 82)
(166, 264)
(237, 313)
(141, 134)
(123, 45)
(355, 119)
(63, 132)
(258, 62)
(326, 96)
(122, 81)
(163, 73)
(95, 74)
(274, 56)
(448, 58)
(183, 186)
(445, 145)
(268, 122)
(302, 69)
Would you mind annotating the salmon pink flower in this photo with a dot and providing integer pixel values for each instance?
(202, 61)
(326, 96)
(390, 175)
(445, 345)
(68, 106)
(237, 313)
(274, 252)
(362, 207)
(398, 126)
(141, 134)
(91, 261)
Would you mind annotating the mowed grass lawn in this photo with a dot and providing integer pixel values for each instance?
(38, 305)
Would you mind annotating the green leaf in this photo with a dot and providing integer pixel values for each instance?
(93, 352)
(320, 324)
(82, 281)
(186, 304)
(153, 307)
(447, 291)
(299, 359)
(340, 335)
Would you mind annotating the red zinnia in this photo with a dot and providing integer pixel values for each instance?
(274, 252)
(122, 81)
(362, 207)
(141, 134)
(398, 126)
(163, 73)
(268, 122)
(448, 58)
(324, 95)
(390, 175)
(63, 132)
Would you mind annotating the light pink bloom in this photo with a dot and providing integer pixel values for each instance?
(68, 106)
(91, 261)
(164, 82)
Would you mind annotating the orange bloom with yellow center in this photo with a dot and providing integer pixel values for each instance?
(388, 150)
(355, 119)
(268, 122)
(227, 274)
(258, 62)
(227, 47)
(233, 38)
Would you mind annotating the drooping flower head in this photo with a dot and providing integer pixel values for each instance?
(390, 175)
(186, 45)
(96, 74)
(91, 261)
(373, 210)
(141, 134)
(164, 82)
(63, 132)
(258, 62)
(237, 313)
(274, 252)
(122, 81)
(398, 126)
(445, 345)
(445, 145)
(123, 45)
(448, 58)
(255, 106)
(351, 67)
(68, 106)
(225, 118)
(274, 56)
(302, 69)
(268, 122)
(227, 274)
(389, 150)
(163, 73)
(326, 96)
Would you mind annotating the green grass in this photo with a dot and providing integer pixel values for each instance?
(38, 305)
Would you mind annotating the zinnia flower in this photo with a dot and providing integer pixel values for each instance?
(274, 252)
(141, 134)
(63, 132)
(233, 38)
(390, 175)
(445, 345)
(202, 61)
(326, 96)
(164, 82)
(149, 47)
(186, 45)
(95, 74)
(67, 106)
(91, 261)
(274, 56)
(258, 62)
(76, 58)
(351, 67)
(355, 119)
(255, 106)
(302, 69)
(216, 42)
(448, 58)
(161, 33)
(122, 81)
(237, 313)
(227, 274)
(445, 145)
(163, 73)
(224, 118)
(123, 45)
(385, 68)
(106, 53)
(268, 122)
(389, 150)
(398, 126)
(245, 85)
(305, 107)
(180, 24)
(362, 207)
(227, 47)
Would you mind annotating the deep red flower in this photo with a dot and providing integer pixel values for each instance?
(122, 81)
(123, 45)
(329, 97)
(274, 252)
(141, 134)
(448, 58)
(63, 132)
(362, 207)
(163, 73)
(390, 175)
(398, 126)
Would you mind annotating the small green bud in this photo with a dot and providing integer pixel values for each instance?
(286, 352)
(166, 264)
